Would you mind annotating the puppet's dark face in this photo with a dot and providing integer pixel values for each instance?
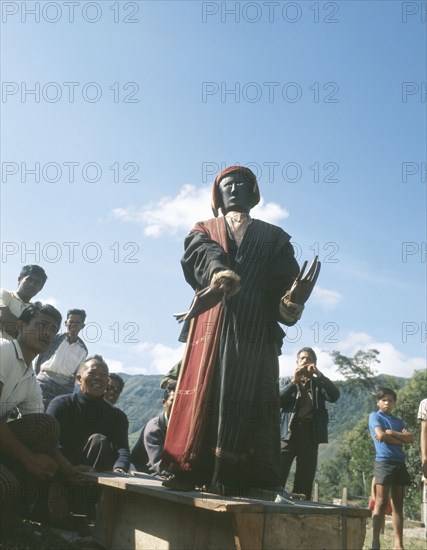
(236, 191)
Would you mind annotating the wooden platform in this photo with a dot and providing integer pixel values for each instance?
(138, 513)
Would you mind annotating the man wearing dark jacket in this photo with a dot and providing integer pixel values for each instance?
(92, 431)
(147, 454)
(304, 420)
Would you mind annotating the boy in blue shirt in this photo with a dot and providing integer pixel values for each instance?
(389, 434)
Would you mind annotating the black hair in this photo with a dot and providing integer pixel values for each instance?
(98, 358)
(33, 270)
(80, 312)
(168, 390)
(310, 351)
(34, 309)
(118, 378)
(385, 391)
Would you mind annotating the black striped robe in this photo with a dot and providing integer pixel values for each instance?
(241, 444)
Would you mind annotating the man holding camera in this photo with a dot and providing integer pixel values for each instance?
(304, 420)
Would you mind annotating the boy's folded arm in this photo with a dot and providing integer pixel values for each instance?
(387, 436)
(404, 436)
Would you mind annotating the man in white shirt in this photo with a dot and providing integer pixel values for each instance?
(422, 417)
(29, 450)
(57, 367)
(30, 281)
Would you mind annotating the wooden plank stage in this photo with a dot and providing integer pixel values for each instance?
(137, 512)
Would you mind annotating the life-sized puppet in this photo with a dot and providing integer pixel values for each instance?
(224, 429)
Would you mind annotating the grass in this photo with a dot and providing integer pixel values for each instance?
(417, 542)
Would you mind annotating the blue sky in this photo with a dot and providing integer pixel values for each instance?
(116, 117)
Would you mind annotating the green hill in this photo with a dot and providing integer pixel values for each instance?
(142, 399)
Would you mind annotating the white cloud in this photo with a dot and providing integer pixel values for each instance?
(160, 357)
(393, 362)
(49, 300)
(114, 365)
(355, 341)
(172, 215)
(270, 212)
(328, 299)
(396, 363)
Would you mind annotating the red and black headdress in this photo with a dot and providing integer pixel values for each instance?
(216, 195)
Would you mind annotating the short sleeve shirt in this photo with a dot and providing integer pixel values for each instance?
(65, 359)
(386, 451)
(12, 301)
(20, 387)
(422, 410)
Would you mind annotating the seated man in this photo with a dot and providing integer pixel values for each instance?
(30, 281)
(172, 376)
(114, 388)
(57, 367)
(29, 445)
(147, 453)
(92, 431)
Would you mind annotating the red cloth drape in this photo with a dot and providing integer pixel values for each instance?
(188, 421)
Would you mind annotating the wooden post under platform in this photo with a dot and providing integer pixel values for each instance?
(137, 512)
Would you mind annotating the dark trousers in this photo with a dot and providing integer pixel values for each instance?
(98, 453)
(39, 433)
(303, 447)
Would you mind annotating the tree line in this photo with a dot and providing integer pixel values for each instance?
(353, 463)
